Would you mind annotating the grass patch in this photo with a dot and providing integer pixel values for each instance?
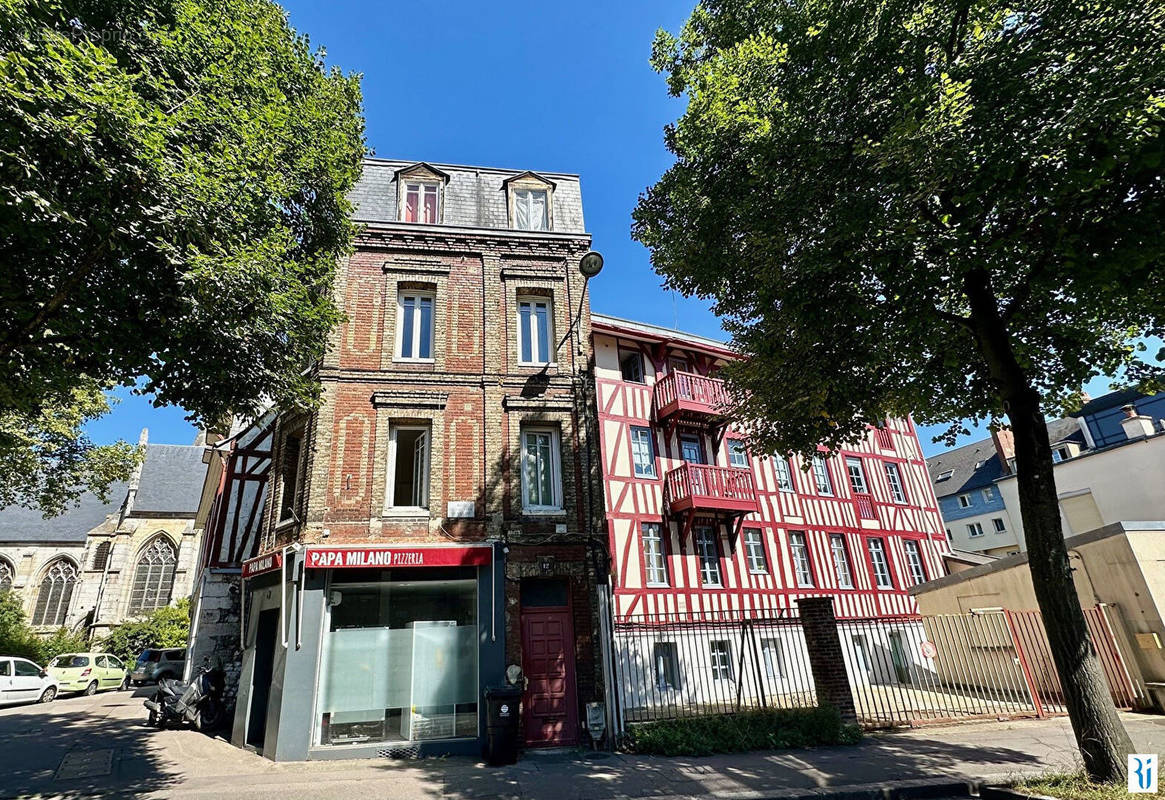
(765, 729)
(1074, 786)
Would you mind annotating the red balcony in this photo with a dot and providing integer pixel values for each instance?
(699, 487)
(884, 438)
(684, 395)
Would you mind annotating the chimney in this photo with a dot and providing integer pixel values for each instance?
(1004, 441)
(1136, 425)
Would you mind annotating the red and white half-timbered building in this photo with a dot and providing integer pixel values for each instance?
(697, 524)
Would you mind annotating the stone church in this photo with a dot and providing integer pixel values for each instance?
(101, 563)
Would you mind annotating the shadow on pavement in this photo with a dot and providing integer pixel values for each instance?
(579, 775)
(80, 748)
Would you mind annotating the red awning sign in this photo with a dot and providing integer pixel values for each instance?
(267, 563)
(380, 557)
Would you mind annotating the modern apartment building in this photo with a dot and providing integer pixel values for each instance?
(435, 524)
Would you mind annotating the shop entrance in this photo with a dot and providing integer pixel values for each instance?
(551, 704)
(266, 630)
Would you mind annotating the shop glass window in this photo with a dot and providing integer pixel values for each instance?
(642, 452)
(535, 330)
(541, 476)
(399, 656)
(410, 460)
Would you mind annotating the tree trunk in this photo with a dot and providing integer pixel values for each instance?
(1102, 739)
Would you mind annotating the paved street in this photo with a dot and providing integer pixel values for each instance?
(99, 745)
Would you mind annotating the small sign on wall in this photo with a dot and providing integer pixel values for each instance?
(460, 509)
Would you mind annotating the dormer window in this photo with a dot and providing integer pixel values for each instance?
(531, 200)
(419, 192)
(422, 203)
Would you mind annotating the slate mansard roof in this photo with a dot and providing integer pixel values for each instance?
(472, 197)
(170, 485)
(974, 466)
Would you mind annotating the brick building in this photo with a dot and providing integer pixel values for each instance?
(437, 518)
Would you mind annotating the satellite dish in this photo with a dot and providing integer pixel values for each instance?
(591, 264)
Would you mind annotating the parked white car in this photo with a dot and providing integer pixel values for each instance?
(22, 681)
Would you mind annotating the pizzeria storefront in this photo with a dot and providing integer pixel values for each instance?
(353, 652)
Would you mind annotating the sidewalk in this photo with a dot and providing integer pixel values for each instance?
(994, 751)
(99, 746)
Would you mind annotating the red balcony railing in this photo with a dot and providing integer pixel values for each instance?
(689, 394)
(884, 438)
(702, 487)
(865, 506)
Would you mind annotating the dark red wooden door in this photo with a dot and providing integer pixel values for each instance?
(551, 708)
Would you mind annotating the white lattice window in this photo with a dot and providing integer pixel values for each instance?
(153, 579)
(56, 590)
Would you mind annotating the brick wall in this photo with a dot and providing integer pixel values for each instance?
(825, 655)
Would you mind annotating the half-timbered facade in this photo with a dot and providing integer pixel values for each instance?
(698, 524)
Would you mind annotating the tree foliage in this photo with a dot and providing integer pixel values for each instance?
(172, 202)
(17, 638)
(945, 208)
(168, 626)
(842, 167)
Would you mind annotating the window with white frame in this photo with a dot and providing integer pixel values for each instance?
(894, 479)
(821, 476)
(964, 501)
(708, 551)
(541, 470)
(535, 330)
(1000, 525)
(754, 551)
(737, 454)
(422, 202)
(531, 209)
(654, 560)
(774, 658)
(988, 494)
(857, 475)
(667, 665)
(784, 475)
(408, 474)
(914, 561)
(802, 566)
(720, 658)
(289, 474)
(642, 452)
(841, 565)
(881, 565)
(975, 529)
(414, 326)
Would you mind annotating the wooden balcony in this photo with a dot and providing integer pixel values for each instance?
(699, 487)
(690, 397)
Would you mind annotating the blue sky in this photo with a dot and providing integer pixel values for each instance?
(527, 85)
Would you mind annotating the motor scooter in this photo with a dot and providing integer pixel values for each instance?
(199, 702)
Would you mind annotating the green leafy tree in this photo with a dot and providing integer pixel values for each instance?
(17, 638)
(950, 208)
(172, 209)
(168, 626)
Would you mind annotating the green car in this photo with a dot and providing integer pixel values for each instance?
(88, 672)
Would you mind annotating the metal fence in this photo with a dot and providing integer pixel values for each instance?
(670, 666)
(902, 671)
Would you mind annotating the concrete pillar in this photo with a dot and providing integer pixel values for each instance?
(826, 658)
